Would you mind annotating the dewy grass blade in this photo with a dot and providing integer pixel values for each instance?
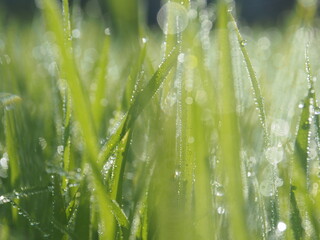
(141, 100)
(82, 112)
(229, 138)
(80, 102)
(304, 130)
(254, 81)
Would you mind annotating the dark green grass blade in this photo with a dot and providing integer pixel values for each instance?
(304, 130)
(295, 217)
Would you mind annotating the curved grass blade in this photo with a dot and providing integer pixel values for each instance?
(254, 81)
(139, 103)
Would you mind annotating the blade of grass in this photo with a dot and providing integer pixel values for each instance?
(229, 139)
(141, 100)
(254, 81)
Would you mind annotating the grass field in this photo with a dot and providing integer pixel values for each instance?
(115, 130)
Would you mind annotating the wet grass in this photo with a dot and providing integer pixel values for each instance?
(208, 132)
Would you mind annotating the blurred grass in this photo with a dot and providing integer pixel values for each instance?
(123, 132)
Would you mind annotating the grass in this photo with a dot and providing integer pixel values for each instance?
(113, 130)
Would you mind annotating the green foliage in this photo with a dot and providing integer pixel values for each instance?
(130, 133)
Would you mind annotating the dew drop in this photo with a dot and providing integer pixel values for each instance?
(301, 105)
(219, 191)
(243, 43)
(221, 210)
(316, 110)
(177, 174)
(281, 226)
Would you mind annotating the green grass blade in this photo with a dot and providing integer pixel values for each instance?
(295, 217)
(229, 139)
(141, 100)
(80, 102)
(254, 81)
(101, 82)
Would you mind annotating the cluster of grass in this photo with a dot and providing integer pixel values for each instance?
(191, 133)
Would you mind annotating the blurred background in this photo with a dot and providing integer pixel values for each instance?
(250, 11)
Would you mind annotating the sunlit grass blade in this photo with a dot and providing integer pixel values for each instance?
(80, 101)
(134, 84)
(140, 101)
(229, 138)
(254, 81)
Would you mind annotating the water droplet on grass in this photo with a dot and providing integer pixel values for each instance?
(219, 191)
(301, 105)
(177, 174)
(281, 226)
(221, 210)
(243, 43)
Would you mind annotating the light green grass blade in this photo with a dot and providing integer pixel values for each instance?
(229, 139)
(80, 102)
(254, 81)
